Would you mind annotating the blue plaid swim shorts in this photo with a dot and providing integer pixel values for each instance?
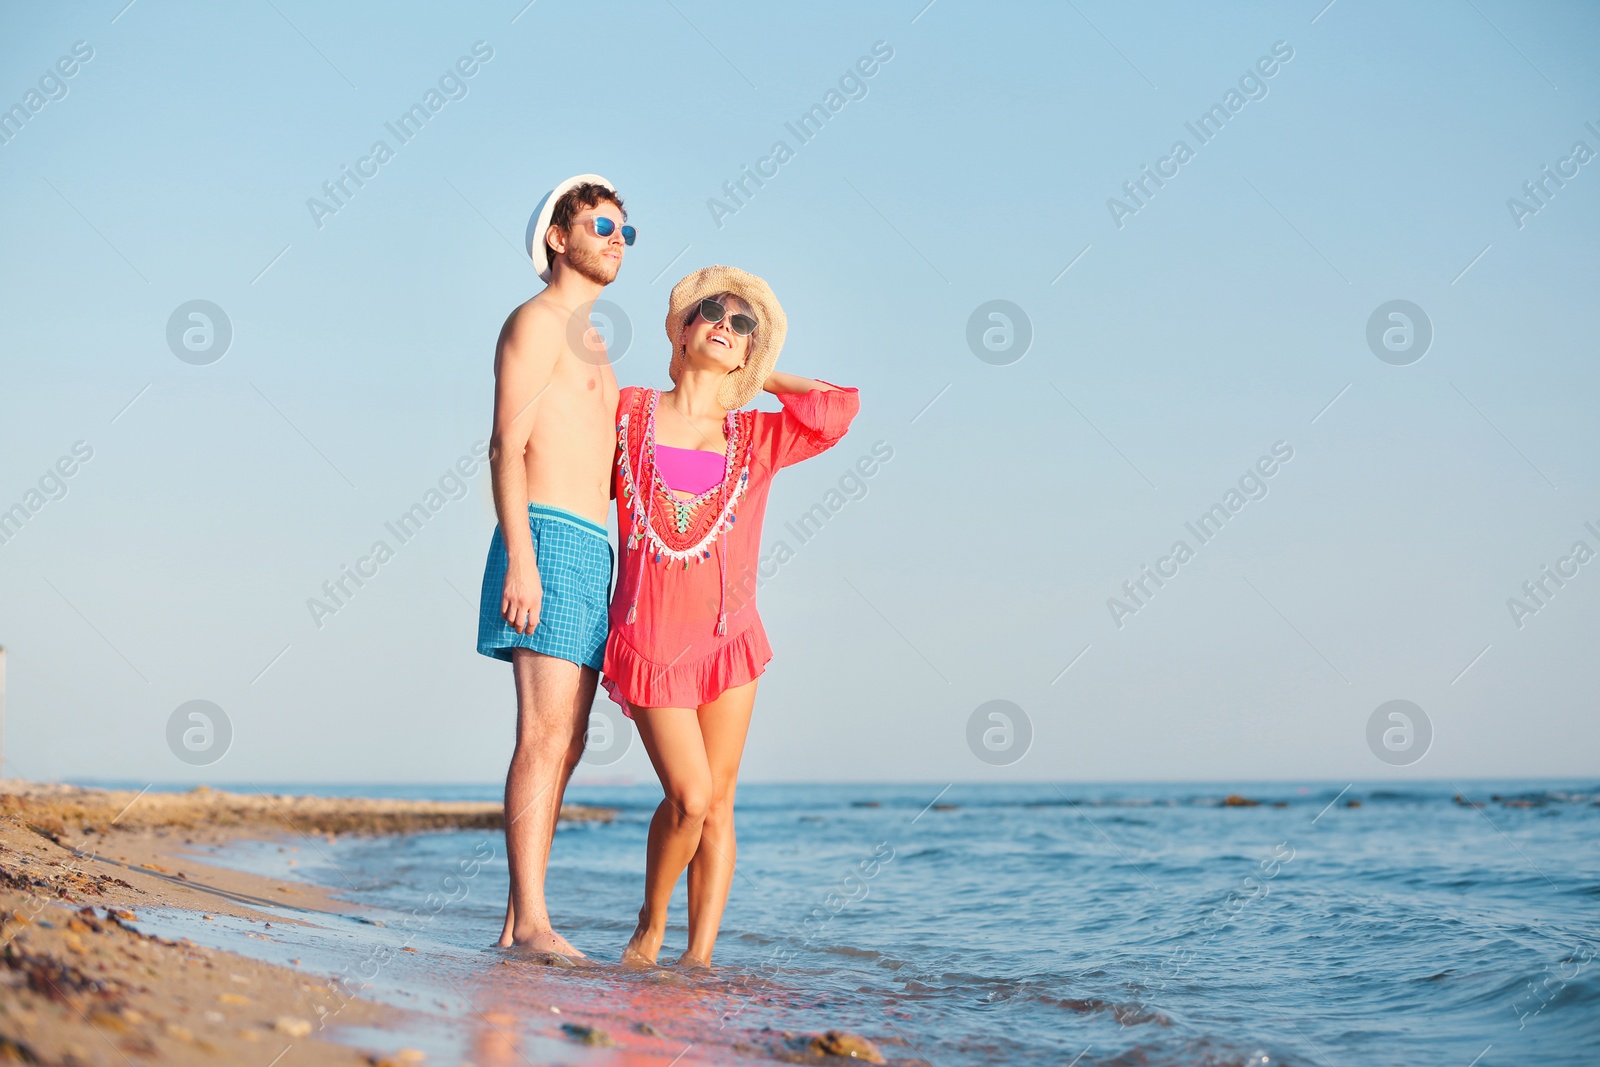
(575, 559)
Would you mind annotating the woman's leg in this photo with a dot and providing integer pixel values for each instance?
(672, 738)
(724, 723)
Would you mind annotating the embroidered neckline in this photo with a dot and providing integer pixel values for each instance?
(696, 523)
(683, 510)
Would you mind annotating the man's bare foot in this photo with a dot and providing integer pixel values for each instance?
(544, 941)
(643, 947)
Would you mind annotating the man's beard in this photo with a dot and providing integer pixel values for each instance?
(593, 266)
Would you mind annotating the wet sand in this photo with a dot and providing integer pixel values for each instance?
(82, 985)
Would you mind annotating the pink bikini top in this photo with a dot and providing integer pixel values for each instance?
(690, 470)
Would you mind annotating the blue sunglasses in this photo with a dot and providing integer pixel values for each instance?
(604, 227)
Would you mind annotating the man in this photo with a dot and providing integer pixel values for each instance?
(545, 588)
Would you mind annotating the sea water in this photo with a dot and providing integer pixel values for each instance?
(1444, 923)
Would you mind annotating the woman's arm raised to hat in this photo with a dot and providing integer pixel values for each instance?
(779, 383)
(816, 414)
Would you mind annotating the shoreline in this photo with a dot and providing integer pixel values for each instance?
(84, 985)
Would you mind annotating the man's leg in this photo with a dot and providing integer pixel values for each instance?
(553, 700)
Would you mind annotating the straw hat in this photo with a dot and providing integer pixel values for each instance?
(539, 222)
(741, 386)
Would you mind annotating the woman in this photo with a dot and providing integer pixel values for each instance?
(686, 644)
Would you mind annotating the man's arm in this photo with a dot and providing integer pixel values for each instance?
(525, 359)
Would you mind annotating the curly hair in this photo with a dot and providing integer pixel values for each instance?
(574, 200)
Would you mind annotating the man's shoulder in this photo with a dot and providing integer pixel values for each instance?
(535, 328)
(538, 314)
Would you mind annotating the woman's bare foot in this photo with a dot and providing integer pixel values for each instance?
(692, 963)
(643, 947)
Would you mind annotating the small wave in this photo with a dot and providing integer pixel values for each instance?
(852, 952)
(935, 852)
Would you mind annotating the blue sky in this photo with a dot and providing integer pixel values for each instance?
(1168, 354)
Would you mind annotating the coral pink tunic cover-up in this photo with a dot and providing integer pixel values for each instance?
(684, 625)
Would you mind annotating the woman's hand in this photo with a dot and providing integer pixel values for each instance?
(778, 382)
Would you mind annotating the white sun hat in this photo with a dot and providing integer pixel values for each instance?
(539, 224)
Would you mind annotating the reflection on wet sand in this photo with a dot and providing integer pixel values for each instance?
(495, 1041)
(648, 1018)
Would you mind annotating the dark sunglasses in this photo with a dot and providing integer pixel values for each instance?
(712, 311)
(604, 227)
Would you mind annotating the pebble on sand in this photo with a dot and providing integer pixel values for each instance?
(840, 1043)
(588, 1035)
(403, 1057)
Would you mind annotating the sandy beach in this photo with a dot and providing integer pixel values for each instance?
(83, 985)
